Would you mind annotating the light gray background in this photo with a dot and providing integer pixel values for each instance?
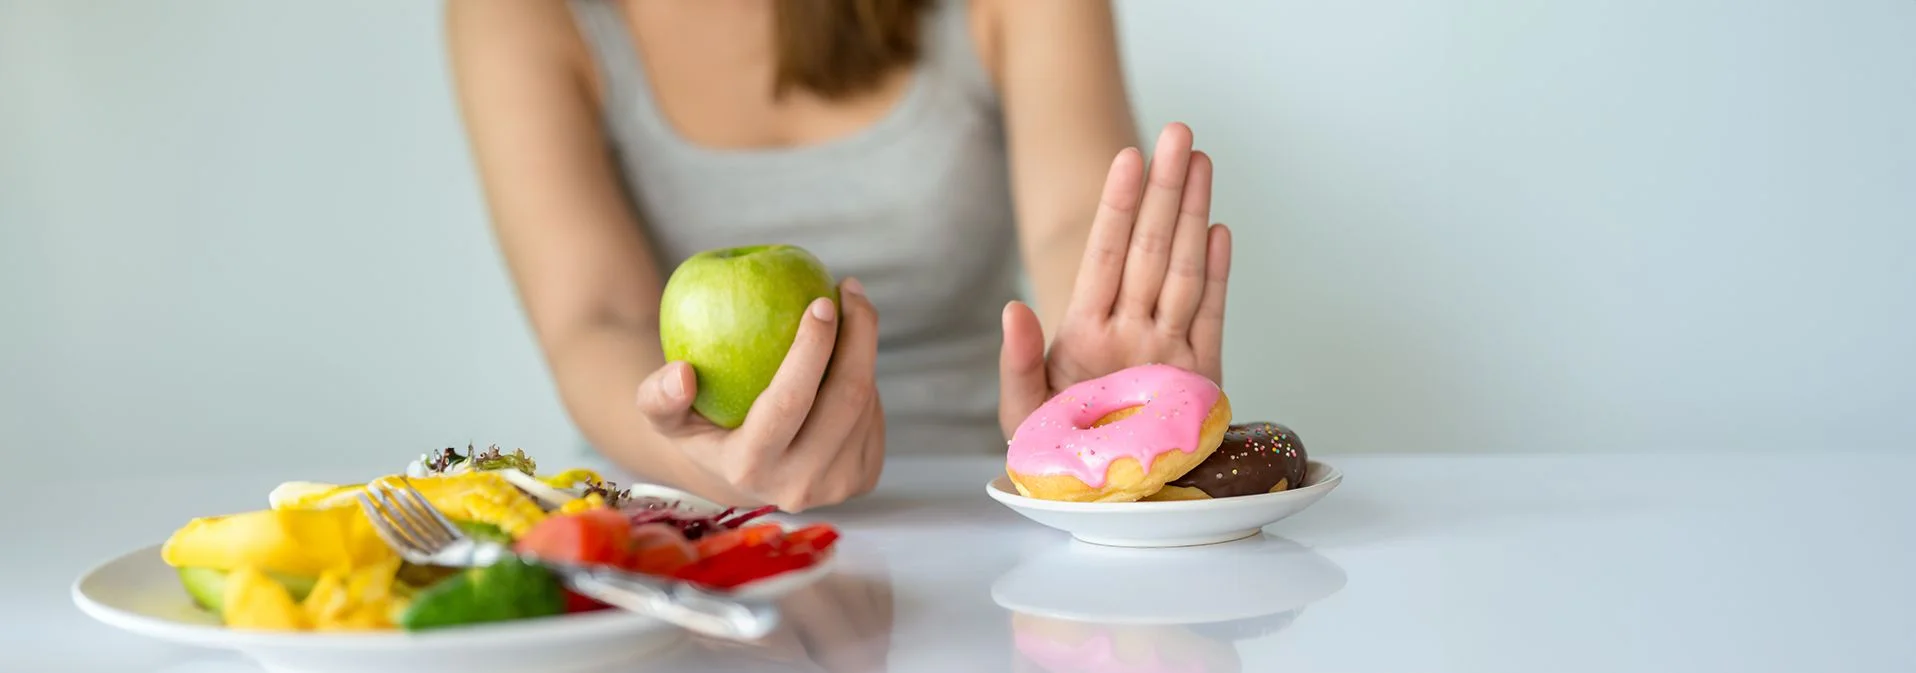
(230, 228)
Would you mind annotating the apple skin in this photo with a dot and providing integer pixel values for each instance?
(732, 314)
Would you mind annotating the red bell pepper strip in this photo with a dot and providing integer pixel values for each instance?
(755, 534)
(756, 552)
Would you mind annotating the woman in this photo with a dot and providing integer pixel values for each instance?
(920, 148)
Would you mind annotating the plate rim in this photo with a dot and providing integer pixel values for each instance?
(1007, 494)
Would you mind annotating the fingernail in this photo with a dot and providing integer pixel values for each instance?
(674, 386)
(853, 286)
(822, 308)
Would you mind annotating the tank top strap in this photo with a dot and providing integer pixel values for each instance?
(951, 52)
(616, 57)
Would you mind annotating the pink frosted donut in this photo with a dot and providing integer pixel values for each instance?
(1118, 437)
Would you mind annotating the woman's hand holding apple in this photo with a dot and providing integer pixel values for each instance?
(815, 436)
(1150, 288)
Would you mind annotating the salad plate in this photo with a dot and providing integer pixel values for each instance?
(372, 615)
(140, 594)
(1170, 523)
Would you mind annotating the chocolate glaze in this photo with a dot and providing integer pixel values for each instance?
(1253, 458)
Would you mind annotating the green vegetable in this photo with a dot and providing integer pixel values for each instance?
(492, 459)
(413, 575)
(484, 532)
(208, 586)
(510, 589)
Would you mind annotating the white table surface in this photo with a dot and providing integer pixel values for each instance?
(1417, 563)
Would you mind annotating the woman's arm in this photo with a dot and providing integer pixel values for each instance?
(1128, 270)
(578, 257)
(1067, 114)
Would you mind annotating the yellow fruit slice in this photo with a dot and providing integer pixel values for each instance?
(255, 601)
(297, 542)
(571, 478)
(312, 495)
(484, 497)
(359, 601)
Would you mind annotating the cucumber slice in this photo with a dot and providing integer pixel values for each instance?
(483, 532)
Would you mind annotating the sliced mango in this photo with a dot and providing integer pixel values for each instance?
(255, 601)
(208, 586)
(312, 495)
(571, 478)
(364, 599)
(484, 497)
(293, 542)
(360, 600)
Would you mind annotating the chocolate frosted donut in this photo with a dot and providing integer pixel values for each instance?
(1258, 457)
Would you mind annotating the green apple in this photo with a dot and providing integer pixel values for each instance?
(732, 313)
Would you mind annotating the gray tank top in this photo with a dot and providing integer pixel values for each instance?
(917, 206)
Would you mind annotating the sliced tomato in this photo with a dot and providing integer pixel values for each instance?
(658, 549)
(743, 566)
(592, 537)
(661, 560)
(646, 535)
(811, 539)
(748, 536)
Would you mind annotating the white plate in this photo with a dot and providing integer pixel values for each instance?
(1174, 523)
(137, 592)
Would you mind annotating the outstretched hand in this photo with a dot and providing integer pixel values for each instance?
(1150, 289)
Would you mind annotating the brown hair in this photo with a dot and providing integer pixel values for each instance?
(836, 48)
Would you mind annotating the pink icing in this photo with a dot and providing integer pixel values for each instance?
(1058, 437)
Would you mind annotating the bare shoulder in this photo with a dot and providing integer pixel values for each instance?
(509, 23)
(1023, 11)
(1011, 33)
(488, 35)
(1068, 23)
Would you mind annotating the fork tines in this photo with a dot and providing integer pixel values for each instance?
(405, 519)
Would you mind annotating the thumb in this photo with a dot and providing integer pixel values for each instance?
(665, 397)
(1021, 372)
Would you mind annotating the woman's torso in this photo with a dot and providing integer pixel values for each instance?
(915, 204)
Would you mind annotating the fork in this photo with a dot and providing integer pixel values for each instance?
(422, 535)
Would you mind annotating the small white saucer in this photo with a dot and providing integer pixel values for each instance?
(1174, 523)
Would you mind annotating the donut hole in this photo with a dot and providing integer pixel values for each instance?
(1116, 416)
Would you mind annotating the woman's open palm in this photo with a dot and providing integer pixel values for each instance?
(1150, 289)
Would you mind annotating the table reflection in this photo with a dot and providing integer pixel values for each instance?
(1080, 608)
(840, 624)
